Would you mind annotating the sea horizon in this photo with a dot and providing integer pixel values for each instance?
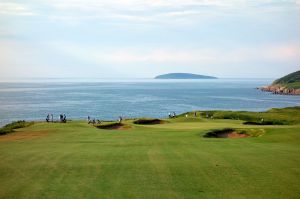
(119, 79)
(107, 99)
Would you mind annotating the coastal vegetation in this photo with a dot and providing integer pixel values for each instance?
(289, 84)
(173, 159)
(273, 116)
(290, 81)
(112, 126)
(9, 128)
(148, 121)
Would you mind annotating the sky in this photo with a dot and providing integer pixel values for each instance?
(145, 38)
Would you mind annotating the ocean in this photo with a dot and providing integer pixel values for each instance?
(107, 99)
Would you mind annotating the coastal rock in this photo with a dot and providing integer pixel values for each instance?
(281, 90)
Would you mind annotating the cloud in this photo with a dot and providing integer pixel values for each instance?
(146, 10)
(160, 31)
(15, 9)
(71, 59)
(90, 5)
(157, 11)
(182, 13)
(147, 61)
(289, 52)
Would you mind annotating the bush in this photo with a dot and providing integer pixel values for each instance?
(272, 117)
(270, 122)
(148, 121)
(113, 125)
(8, 128)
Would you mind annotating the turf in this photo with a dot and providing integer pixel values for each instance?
(170, 160)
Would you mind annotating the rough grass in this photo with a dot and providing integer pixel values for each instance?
(9, 128)
(272, 122)
(273, 116)
(113, 126)
(167, 161)
(291, 81)
(148, 121)
(294, 85)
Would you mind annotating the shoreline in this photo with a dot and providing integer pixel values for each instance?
(199, 114)
(278, 89)
(3, 123)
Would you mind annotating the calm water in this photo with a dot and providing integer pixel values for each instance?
(107, 99)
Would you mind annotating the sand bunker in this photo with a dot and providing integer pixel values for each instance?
(114, 126)
(226, 133)
(148, 121)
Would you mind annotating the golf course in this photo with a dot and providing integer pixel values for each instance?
(258, 156)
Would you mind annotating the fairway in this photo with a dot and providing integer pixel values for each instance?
(168, 161)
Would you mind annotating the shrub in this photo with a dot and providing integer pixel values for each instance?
(8, 128)
(269, 122)
(148, 121)
(113, 125)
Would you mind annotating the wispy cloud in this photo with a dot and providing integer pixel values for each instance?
(158, 10)
(266, 53)
(7, 8)
(90, 5)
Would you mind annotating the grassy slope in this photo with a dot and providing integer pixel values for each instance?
(285, 116)
(172, 160)
(290, 81)
(295, 85)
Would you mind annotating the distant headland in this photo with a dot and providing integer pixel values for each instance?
(287, 85)
(183, 76)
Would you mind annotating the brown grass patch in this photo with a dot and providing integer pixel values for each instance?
(236, 135)
(23, 135)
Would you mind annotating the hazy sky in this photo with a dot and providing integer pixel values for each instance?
(143, 38)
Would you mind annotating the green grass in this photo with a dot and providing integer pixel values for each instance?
(274, 116)
(170, 160)
(290, 81)
(294, 85)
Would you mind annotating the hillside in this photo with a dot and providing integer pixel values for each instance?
(288, 85)
(183, 76)
(291, 80)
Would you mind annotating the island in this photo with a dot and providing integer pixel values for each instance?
(287, 85)
(183, 76)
